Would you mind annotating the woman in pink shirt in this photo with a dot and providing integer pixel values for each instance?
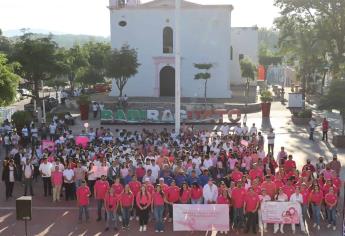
(143, 200)
(196, 193)
(185, 194)
(56, 179)
(158, 200)
(126, 203)
(316, 198)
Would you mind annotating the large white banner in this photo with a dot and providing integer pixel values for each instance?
(200, 217)
(281, 212)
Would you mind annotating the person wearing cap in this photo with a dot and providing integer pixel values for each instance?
(251, 206)
(280, 197)
(210, 192)
(100, 188)
(335, 165)
(180, 178)
(83, 194)
(173, 196)
(298, 198)
(45, 169)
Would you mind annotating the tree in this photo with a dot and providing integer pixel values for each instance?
(248, 71)
(121, 65)
(37, 57)
(56, 83)
(335, 99)
(5, 44)
(8, 81)
(326, 18)
(205, 75)
(88, 76)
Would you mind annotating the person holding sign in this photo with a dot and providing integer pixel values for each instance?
(298, 197)
(280, 197)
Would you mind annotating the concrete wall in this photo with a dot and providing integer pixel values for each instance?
(244, 40)
(205, 38)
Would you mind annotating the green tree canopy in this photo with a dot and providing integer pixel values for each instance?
(37, 57)
(121, 65)
(204, 75)
(248, 69)
(335, 99)
(8, 81)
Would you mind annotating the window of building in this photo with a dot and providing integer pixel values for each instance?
(168, 40)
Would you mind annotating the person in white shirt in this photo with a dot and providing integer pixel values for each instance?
(210, 192)
(95, 110)
(225, 129)
(312, 126)
(25, 135)
(154, 168)
(264, 197)
(280, 197)
(68, 176)
(52, 130)
(270, 141)
(298, 197)
(46, 171)
(253, 130)
(28, 171)
(245, 132)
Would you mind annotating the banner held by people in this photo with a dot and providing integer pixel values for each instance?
(280, 212)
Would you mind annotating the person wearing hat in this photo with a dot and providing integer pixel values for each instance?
(83, 194)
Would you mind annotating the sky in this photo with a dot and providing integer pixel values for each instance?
(92, 17)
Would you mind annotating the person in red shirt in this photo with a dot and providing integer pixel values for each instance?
(163, 185)
(289, 165)
(289, 189)
(316, 198)
(173, 196)
(196, 193)
(111, 205)
(331, 200)
(158, 200)
(134, 185)
(269, 186)
(256, 172)
(251, 205)
(100, 188)
(118, 187)
(236, 175)
(305, 193)
(126, 203)
(329, 184)
(149, 187)
(83, 193)
(223, 197)
(185, 194)
(143, 200)
(308, 167)
(237, 196)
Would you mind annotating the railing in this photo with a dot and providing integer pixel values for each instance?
(118, 4)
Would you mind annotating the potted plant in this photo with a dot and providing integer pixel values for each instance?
(302, 117)
(266, 99)
(84, 104)
(335, 99)
(20, 119)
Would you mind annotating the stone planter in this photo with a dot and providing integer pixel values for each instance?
(266, 109)
(339, 141)
(299, 120)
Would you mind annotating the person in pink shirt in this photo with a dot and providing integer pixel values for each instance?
(173, 196)
(185, 194)
(237, 196)
(315, 199)
(331, 200)
(100, 189)
(83, 194)
(288, 189)
(327, 173)
(118, 187)
(143, 200)
(126, 203)
(236, 175)
(196, 193)
(56, 179)
(134, 185)
(111, 204)
(158, 200)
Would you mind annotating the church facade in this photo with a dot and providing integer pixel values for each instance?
(205, 36)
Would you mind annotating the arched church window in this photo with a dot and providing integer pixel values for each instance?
(168, 40)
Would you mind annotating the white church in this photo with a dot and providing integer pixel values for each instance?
(206, 36)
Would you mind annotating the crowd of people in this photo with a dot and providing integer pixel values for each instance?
(141, 175)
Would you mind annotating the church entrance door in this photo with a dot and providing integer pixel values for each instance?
(167, 82)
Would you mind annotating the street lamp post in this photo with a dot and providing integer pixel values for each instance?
(177, 67)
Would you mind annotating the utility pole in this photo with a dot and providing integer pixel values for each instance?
(177, 67)
(43, 104)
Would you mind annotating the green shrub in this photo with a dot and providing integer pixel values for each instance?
(266, 96)
(21, 118)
